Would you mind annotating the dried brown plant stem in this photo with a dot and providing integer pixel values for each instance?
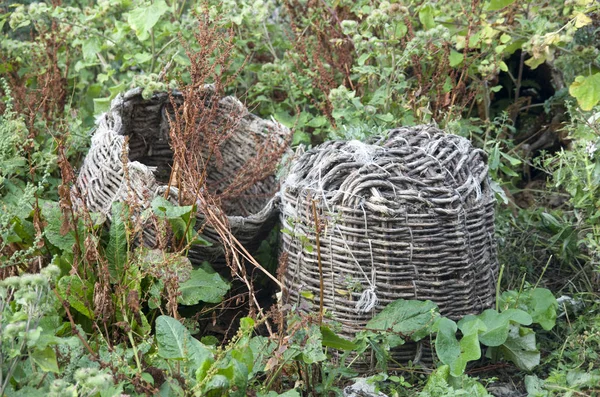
(230, 242)
(74, 329)
(318, 243)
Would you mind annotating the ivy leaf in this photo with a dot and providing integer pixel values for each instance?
(494, 5)
(202, 286)
(406, 317)
(586, 90)
(143, 19)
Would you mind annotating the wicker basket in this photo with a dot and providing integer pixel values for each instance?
(102, 178)
(409, 215)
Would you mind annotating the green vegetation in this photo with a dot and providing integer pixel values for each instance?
(87, 310)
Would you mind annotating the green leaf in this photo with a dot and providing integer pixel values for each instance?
(334, 341)
(77, 293)
(312, 351)
(494, 5)
(455, 58)
(496, 328)
(513, 161)
(171, 337)
(542, 305)
(45, 359)
(517, 316)
(447, 346)
(535, 386)
(143, 19)
(116, 250)
(469, 351)
(520, 348)
(202, 287)
(175, 342)
(586, 90)
(363, 58)
(426, 17)
(90, 48)
(406, 317)
(471, 324)
(52, 232)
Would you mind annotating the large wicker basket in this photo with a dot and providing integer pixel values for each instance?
(409, 215)
(149, 158)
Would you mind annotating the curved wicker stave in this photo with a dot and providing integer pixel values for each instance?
(409, 215)
(103, 178)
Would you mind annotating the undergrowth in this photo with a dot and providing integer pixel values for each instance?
(88, 309)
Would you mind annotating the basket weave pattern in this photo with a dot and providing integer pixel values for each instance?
(409, 215)
(103, 178)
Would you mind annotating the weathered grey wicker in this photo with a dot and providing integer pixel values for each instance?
(409, 215)
(102, 178)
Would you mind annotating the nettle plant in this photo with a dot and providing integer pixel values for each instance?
(577, 171)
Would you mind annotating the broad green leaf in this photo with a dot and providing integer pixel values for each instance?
(496, 328)
(175, 342)
(334, 341)
(171, 388)
(116, 250)
(143, 19)
(494, 5)
(312, 351)
(78, 294)
(52, 231)
(578, 378)
(517, 316)
(172, 338)
(539, 303)
(469, 351)
(45, 359)
(409, 318)
(535, 386)
(520, 348)
(447, 346)
(426, 17)
(586, 90)
(164, 208)
(542, 305)
(471, 324)
(262, 350)
(202, 287)
(455, 58)
(363, 58)
(90, 48)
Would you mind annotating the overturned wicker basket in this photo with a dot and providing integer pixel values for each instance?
(103, 179)
(409, 215)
